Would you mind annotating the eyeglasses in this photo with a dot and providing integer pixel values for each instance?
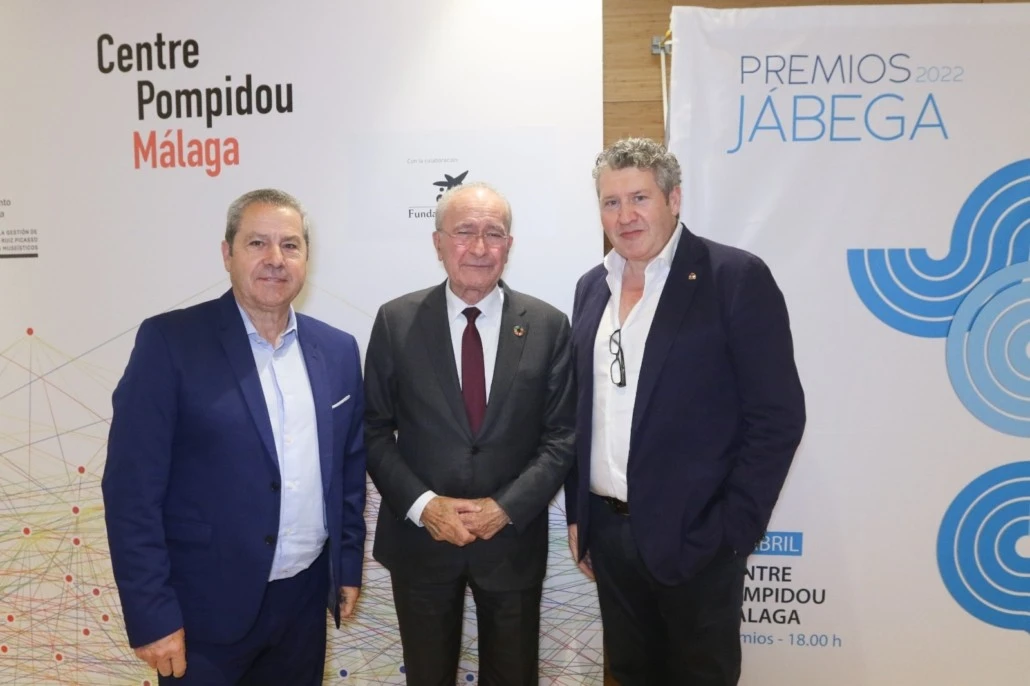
(615, 347)
(492, 239)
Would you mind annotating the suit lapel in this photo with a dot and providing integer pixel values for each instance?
(588, 319)
(234, 339)
(436, 333)
(319, 380)
(509, 353)
(672, 308)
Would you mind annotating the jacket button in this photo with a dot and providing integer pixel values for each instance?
(275, 486)
(270, 539)
(474, 450)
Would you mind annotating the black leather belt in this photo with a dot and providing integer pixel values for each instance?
(619, 507)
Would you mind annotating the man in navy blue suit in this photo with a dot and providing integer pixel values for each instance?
(235, 480)
(689, 411)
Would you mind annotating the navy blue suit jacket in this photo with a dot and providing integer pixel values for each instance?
(718, 414)
(192, 485)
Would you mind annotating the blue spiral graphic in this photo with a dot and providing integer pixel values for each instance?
(910, 291)
(988, 351)
(983, 547)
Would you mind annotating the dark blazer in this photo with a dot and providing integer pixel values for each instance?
(418, 436)
(718, 415)
(192, 485)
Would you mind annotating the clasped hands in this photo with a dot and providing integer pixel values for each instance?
(460, 521)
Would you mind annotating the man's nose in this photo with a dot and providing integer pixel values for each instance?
(626, 214)
(274, 256)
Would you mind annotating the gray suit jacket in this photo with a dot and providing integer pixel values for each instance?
(418, 436)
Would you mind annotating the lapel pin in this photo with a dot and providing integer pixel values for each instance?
(691, 276)
(519, 331)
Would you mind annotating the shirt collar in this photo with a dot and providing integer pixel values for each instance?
(615, 263)
(291, 323)
(489, 306)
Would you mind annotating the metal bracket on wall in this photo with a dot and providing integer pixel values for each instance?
(659, 44)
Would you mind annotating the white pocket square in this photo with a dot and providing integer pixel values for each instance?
(341, 401)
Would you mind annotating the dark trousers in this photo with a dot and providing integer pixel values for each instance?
(286, 645)
(430, 618)
(656, 635)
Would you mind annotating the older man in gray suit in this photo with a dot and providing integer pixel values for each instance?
(469, 428)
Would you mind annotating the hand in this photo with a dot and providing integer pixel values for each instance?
(167, 655)
(584, 564)
(442, 519)
(348, 599)
(487, 520)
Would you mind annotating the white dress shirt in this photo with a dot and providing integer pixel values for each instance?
(489, 325)
(291, 409)
(612, 405)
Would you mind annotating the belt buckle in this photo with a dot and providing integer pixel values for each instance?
(619, 507)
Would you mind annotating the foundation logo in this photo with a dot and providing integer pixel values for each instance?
(449, 182)
(440, 187)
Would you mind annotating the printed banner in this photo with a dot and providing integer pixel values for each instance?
(126, 132)
(878, 158)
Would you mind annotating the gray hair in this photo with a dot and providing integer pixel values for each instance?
(445, 200)
(641, 153)
(267, 196)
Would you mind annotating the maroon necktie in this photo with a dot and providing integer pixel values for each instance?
(473, 375)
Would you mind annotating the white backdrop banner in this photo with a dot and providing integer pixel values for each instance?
(125, 132)
(878, 158)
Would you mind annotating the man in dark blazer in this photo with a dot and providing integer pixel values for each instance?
(235, 480)
(469, 427)
(689, 411)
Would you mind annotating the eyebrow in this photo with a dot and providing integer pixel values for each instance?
(470, 224)
(296, 238)
(616, 196)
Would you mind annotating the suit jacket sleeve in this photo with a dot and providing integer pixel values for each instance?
(772, 403)
(572, 479)
(396, 482)
(139, 452)
(354, 458)
(525, 497)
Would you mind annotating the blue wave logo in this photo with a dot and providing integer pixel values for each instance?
(978, 297)
(983, 547)
(910, 291)
(988, 351)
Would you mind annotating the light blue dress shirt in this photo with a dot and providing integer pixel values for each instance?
(291, 409)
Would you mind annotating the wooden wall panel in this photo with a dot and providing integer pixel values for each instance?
(632, 81)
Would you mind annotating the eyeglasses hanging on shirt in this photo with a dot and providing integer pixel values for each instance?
(618, 368)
